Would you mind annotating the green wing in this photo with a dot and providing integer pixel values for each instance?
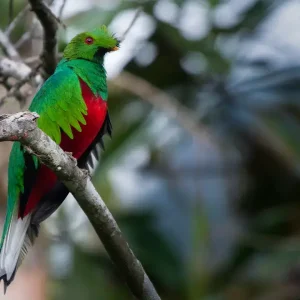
(61, 106)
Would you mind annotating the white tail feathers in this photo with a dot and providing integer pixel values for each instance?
(14, 247)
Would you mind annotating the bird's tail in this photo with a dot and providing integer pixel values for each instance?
(18, 238)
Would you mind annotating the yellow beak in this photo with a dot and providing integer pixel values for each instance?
(115, 48)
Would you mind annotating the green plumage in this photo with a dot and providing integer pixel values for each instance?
(55, 115)
(15, 182)
(103, 40)
(60, 104)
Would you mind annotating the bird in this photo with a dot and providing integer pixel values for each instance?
(73, 111)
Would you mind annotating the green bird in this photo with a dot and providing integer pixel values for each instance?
(72, 105)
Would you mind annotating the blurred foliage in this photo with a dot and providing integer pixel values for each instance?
(207, 222)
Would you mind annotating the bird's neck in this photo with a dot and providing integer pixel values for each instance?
(93, 74)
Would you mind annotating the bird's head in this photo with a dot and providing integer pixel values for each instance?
(91, 45)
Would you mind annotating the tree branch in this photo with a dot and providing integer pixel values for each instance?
(135, 17)
(61, 9)
(16, 69)
(8, 47)
(20, 71)
(22, 127)
(16, 20)
(49, 23)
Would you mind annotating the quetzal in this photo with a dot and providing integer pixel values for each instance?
(72, 105)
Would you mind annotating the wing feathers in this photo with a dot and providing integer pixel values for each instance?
(86, 159)
(30, 175)
(55, 116)
(12, 246)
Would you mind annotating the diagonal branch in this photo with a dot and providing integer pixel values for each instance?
(22, 127)
(8, 47)
(50, 26)
(61, 9)
(16, 20)
(135, 17)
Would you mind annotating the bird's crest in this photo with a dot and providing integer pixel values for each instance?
(92, 45)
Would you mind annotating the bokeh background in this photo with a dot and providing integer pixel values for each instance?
(202, 173)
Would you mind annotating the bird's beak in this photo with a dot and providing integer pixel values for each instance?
(114, 48)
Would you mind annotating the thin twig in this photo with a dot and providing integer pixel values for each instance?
(61, 10)
(29, 34)
(16, 20)
(58, 18)
(49, 23)
(136, 15)
(26, 36)
(8, 47)
(22, 127)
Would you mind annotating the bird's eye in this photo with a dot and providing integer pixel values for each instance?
(89, 40)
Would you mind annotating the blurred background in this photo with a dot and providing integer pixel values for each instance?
(202, 173)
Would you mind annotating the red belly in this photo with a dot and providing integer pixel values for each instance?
(96, 113)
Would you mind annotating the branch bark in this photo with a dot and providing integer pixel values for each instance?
(16, 69)
(22, 127)
(50, 26)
